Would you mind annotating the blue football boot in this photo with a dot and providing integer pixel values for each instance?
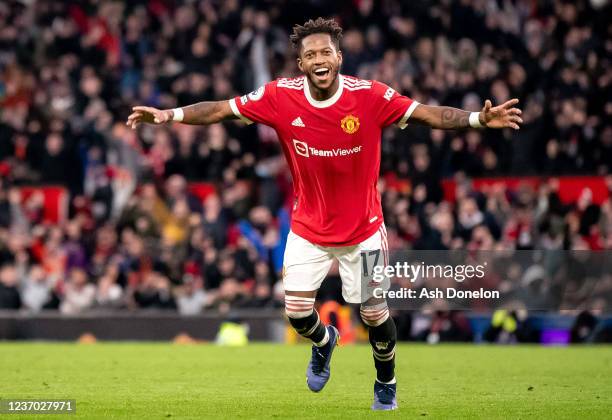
(318, 372)
(384, 396)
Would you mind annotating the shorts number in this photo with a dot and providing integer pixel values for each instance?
(372, 255)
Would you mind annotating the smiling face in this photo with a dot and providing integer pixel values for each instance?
(320, 61)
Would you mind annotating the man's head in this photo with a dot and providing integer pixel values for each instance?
(318, 46)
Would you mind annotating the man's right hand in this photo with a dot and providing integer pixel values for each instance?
(149, 115)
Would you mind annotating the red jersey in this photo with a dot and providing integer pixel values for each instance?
(333, 151)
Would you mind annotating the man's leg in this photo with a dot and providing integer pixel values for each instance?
(383, 335)
(357, 266)
(305, 267)
(299, 307)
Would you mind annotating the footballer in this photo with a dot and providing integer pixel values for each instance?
(329, 126)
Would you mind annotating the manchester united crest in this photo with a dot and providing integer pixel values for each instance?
(350, 124)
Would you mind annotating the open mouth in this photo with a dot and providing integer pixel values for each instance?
(322, 73)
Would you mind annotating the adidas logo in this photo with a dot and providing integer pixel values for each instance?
(298, 122)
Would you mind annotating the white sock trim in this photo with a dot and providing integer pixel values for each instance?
(384, 357)
(325, 339)
(391, 382)
(310, 331)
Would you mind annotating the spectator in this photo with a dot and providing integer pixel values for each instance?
(79, 294)
(109, 295)
(447, 326)
(154, 292)
(9, 292)
(36, 289)
(191, 299)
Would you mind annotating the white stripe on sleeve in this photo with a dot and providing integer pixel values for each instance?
(403, 123)
(237, 113)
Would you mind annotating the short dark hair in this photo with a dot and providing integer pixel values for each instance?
(318, 26)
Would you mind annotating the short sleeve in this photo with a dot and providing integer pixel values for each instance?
(390, 106)
(258, 106)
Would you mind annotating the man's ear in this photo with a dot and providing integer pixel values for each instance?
(339, 58)
(299, 63)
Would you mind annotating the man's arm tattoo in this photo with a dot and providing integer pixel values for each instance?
(452, 118)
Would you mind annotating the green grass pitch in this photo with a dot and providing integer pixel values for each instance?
(157, 381)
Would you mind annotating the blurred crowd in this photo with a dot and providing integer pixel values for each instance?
(136, 236)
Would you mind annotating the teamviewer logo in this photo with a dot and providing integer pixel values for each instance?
(301, 148)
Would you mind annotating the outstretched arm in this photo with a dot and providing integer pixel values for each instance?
(445, 117)
(202, 113)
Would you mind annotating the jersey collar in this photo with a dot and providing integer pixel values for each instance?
(327, 102)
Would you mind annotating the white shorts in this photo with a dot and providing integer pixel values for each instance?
(306, 265)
